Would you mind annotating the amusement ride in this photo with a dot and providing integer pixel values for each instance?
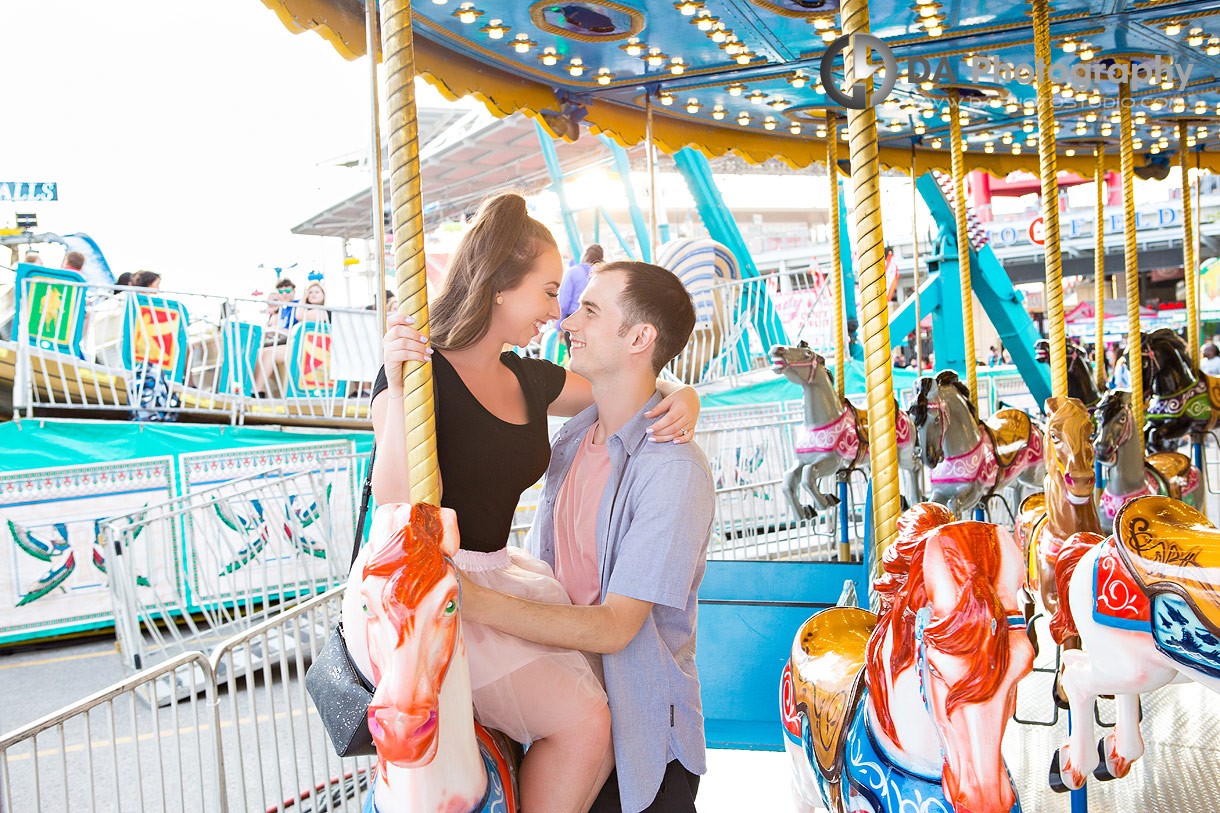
(1088, 513)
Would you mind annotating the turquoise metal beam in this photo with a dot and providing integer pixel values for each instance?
(622, 165)
(597, 225)
(991, 284)
(552, 168)
(902, 322)
(855, 350)
(617, 234)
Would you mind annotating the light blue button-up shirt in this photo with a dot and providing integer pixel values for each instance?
(653, 528)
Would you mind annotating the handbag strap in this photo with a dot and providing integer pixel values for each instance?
(366, 494)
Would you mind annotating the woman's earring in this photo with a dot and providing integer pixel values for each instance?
(499, 299)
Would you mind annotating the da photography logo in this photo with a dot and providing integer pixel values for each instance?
(862, 71)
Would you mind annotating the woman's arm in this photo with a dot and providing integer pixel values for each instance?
(678, 409)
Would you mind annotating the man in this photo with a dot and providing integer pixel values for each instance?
(74, 261)
(625, 523)
(1210, 363)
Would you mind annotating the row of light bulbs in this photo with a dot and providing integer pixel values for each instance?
(1195, 37)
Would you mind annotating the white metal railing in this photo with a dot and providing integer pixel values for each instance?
(239, 551)
(159, 354)
(111, 752)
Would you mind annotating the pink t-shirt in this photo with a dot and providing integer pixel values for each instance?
(576, 506)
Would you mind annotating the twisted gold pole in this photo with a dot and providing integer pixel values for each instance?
(1189, 262)
(408, 220)
(1050, 200)
(963, 241)
(915, 266)
(1099, 266)
(1135, 357)
(832, 166)
(870, 245)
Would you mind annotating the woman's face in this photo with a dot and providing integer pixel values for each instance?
(315, 295)
(528, 307)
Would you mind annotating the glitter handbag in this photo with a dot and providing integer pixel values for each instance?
(340, 693)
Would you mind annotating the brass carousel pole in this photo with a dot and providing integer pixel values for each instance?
(1135, 358)
(1099, 266)
(1050, 200)
(870, 244)
(408, 222)
(372, 47)
(1189, 263)
(963, 241)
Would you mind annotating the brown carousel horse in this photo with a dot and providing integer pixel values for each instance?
(1046, 520)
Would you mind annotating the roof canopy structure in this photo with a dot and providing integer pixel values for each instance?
(742, 76)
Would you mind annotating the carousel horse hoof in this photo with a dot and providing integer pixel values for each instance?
(1056, 777)
(1059, 697)
(1102, 771)
(809, 511)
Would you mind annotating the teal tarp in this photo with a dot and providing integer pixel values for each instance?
(781, 389)
(40, 444)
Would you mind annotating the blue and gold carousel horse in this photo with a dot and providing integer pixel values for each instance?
(1184, 400)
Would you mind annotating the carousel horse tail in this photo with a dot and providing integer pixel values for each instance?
(1063, 625)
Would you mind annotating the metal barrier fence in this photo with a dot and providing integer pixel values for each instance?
(160, 354)
(193, 570)
(111, 751)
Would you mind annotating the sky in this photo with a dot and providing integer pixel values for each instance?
(186, 138)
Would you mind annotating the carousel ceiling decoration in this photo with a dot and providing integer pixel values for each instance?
(745, 75)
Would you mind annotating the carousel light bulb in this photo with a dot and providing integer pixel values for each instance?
(1200, 107)
(1095, 98)
(743, 119)
(1164, 142)
(945, 116)
(1027, 127)
(1179, 106)
(1196, 37)
(797, 80)
(1069, 46)
(927, 11)
(1106, 130)
(496, 29)
(1213, 46)
(895, 125)
(936, 144)
(687, 8)
(920, 129)
(926, 86)
(778, 104)
(928, 112)
(467, 13)
(1137, 143)
(1067, 92)
(676, 67)
(655, 58)
(1010, 108)
(744, 58)
(667, 99)
(936, 31)
(705, 21)
(794, 128)
(1166, 84)
(1016, 149)
(821, 132)
(576, 67)
(1070, 153)
(1156, 104)
(1090, 116)
(829, 35)
(1154, 149)
(1082, 128)
(1155, 131)
(1141, 117)
(1006, 138)
(718, 112)
(522, 44)
(1055, 88)
(1086, 53)
(736, 90)
(549, 57)
(822, 23)
(1190, 141)
(604, 77)
(692, 106)
(1081, 96)
(843, 132)
(718, 33)
(989, 147)
(1202, 132)
(1173, 29)
(769, 123)
(633, 47)
(439, 2)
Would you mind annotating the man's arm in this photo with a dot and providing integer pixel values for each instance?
(602, 628)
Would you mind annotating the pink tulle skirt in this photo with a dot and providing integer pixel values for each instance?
(527, 690)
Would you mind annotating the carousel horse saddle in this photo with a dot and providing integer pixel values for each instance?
(1009, 434)
(1171, 549)
(1118, 600)
(861, 418)
(1174, 469)
(827, 668)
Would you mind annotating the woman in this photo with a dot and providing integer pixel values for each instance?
(501, 289)
(315, 299)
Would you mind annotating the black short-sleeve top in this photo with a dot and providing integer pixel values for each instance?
(487, 463)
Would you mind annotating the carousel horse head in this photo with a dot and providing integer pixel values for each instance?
(402, 608)
(799, 364)
(1069, 450)
(1117, 426)
(939, 400)
(1081, 382)
(1167, 365)
(950, 625)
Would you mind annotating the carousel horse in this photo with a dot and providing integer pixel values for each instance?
(1128, 474)
(1082, 383)
(905, 711)
(971, 459)
(1045, 520)
(1184, 400)
(833, 434)
(1146, 607)
(402, 626)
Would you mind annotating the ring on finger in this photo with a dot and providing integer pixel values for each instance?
(682, 432)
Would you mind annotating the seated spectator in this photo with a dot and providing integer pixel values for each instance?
(1210, 363)
(32, 258)
(283, 313)
(315, 297)
(146, 279)
(74, 261)
(124, 278)
(391, 303)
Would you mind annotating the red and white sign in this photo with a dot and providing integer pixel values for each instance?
(1037, 232)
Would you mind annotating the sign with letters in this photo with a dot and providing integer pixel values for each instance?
(38, 191)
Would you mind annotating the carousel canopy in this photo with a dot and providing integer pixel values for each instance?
(744, 75)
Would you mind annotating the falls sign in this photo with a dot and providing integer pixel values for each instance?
(20, 191)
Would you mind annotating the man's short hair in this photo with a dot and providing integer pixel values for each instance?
(654, 295)
(74, 260)
(284, 282)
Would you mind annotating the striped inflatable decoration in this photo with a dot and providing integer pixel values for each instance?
(701, 263)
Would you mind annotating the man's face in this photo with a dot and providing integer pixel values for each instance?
(594, 327)
(285, 292)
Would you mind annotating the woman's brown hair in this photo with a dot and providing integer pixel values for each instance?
(493, 256)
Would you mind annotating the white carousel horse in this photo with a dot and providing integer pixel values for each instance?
(833, 435)
(905, 711)
(1146, 606)
(972, 459)
(1128, 473)
(704, 266)
(402, 626)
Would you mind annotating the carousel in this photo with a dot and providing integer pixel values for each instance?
(1013, 566)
